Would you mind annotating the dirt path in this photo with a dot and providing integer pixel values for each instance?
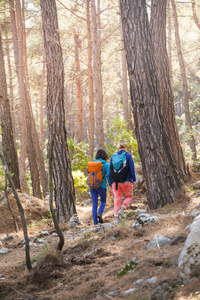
(89, 265)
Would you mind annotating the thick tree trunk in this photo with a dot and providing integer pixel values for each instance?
(96, 48)
(158, 31)
(8, 144)
(188, 124)
(160, 172)
(78, 87)
(170, 42)
(63, 181)
(90, 80)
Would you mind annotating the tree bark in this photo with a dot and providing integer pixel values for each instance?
(96, 49)
(161, 176)
(35, 152)
(158, 31)
(188, 124)
(196, 19)
(78, 87)
(90, 80)
(63, 180)
(18, 53)
(124, 81)
(42, 101)
(9, 148)
(35, 178)
(11, 96)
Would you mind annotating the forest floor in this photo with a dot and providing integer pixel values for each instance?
(90, 261)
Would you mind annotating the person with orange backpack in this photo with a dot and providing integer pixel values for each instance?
(98, 176)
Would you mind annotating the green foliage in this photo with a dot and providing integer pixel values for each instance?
(118, 131)
(80, 183)
(78, 154)
(42, 254)
(2, 179)
(131, 265)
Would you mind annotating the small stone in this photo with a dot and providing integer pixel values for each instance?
(130, 291)
(3, 251)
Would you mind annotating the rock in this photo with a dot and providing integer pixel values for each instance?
(139, 281)
(3, 250)
(189, 259)
(196, 185)
(152, 280)
(130, 291)
(86, 202)
(1, 245)
(195, 213)
(54, 234)
(114, 293)
(195, 167)
(144, 219)
(8, 237)
(74, 221)
(161, 239)
(107, 225)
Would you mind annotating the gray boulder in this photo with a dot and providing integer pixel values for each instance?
(144, 219)
(161, 240)
(189, 259)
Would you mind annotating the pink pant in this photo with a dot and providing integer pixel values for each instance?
(123, 188)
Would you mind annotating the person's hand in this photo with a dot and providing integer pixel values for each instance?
(134, 184)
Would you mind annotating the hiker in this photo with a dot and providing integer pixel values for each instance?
(122, 179)
(101, 158)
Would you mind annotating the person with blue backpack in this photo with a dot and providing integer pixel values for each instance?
(122, 179)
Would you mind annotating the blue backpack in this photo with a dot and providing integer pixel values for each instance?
(119, 168)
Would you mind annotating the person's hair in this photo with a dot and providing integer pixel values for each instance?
(101, 154)
(122, 144)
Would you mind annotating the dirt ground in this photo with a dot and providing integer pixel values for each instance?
(89, 265)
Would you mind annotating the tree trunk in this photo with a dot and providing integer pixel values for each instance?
(8, 144)
(38, 167)
(42, 101)
(18, 53)
(96, 48)
(161, 176)
(78, 87)
(24, 85)
(90, 80)
(185, 86)
(196, 19)
(158, 30)
(10, 88)
(63, 181)
(170, 42)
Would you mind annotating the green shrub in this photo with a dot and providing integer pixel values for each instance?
(78, 154)
(118, 130)
(80, 184)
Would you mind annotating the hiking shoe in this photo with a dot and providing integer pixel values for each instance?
(100, 220)
(118, 220)
(121, 213)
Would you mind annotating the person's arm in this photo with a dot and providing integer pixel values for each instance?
(131, 168)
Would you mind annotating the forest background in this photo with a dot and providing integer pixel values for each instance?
(117, 121)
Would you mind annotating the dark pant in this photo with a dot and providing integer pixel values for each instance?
(94, 194)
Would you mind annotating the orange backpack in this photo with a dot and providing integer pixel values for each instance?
(95, 174)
